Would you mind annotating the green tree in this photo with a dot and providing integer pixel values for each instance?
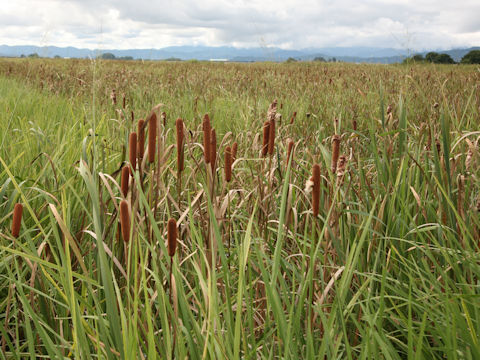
(319, 58)
(108, 56)
(473, 57)
(291, 59)
(431, 56)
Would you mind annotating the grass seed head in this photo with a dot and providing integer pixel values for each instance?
(17, 219)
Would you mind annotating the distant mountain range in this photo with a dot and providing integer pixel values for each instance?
(348, 54)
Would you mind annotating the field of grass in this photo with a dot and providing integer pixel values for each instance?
(365, 245)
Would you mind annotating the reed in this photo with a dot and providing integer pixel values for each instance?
(17, 219)
(152, 136)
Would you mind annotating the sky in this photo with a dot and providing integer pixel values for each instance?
(288, 24)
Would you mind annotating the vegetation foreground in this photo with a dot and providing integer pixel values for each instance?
(339, 221)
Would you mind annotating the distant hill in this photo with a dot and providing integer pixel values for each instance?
(347, 54)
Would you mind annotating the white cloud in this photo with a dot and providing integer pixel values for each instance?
(125, 24)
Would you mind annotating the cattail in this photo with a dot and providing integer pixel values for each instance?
(213, 149)
(125, 220)
(132, 144)
(271, 137)
(228, 164)
(316, 189)
(17, 219)
(152, 137)
(206, 138)
(124, 101)
(180, 139)
(141, 139)
(234, 151)
(335, 151)
(291, 144)
(354, 125)
(293, 117)
(266, 134)
(172, 236)
(124, 180)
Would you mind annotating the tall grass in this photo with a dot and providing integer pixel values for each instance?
(380, 260)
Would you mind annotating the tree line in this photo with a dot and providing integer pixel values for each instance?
(472, 57)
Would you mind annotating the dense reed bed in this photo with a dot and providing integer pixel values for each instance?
(196, 210)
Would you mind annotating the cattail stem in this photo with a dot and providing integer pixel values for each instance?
(17, 219)
(172, 245)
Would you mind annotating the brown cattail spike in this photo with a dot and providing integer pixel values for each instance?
(291, 144)
(234, 151)
(266, 134)
(316, 189)
(141, 139)
(125, 220)
(335, 151)
(132, 145)
(172, 237)
(180, 142)
(17, 219)
(228, 164)
(271, 138)
(206, 138)
(213, 149)
(152, 137)
(124, 180)
(293, 117)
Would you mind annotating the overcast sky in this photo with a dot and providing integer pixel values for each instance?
(122, 24)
